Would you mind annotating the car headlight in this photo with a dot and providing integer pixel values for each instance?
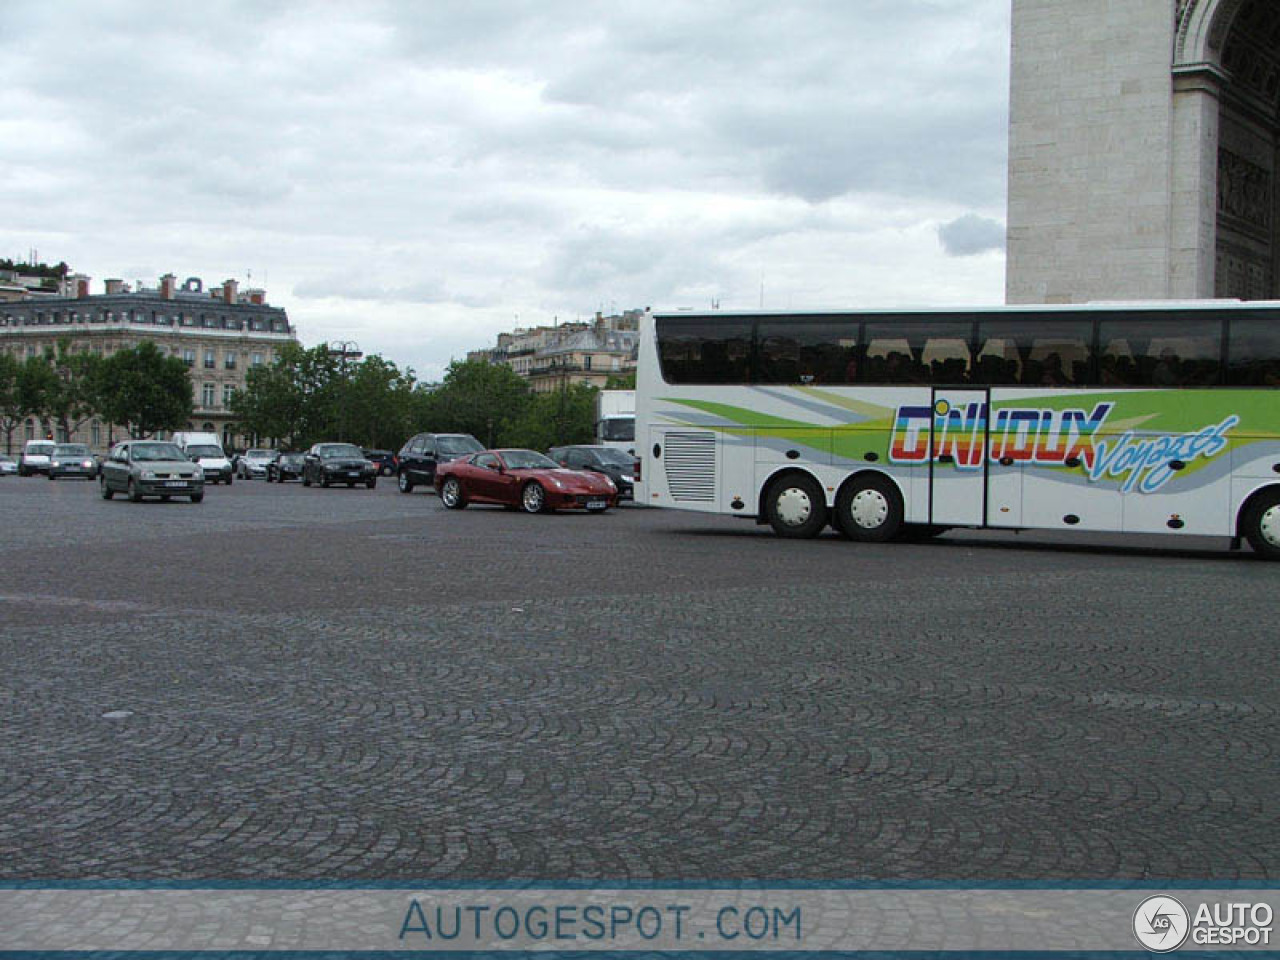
(199, 474)
(148, 474)
(88, 463)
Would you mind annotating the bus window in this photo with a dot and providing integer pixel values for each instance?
(919, 352)
(1160, 353)
(806, 352)
(1254, 352)
(704, 350)
(1033, 352)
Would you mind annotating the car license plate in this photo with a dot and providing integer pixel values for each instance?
(175, 483)
(353, 473)
(597, 504)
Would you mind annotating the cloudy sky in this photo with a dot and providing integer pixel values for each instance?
(419, 175)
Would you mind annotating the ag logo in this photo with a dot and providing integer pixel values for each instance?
(1161, 924)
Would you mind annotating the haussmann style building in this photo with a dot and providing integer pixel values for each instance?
(220, 333)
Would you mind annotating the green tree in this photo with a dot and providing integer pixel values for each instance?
(621, 381)
(73, 395)
(145, 390)
(37, 383)
(554, 419)
(376, 404)
(477, 398)
(11, 411)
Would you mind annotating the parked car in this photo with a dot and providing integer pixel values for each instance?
(253, 463)
(205, 450)
(384, 460)
(151, 468)
(72, 460)
(618, 465)
(522, 478)
(287, 466)
(35, 457)
(330, 463)
(7, 465)
(417, 460)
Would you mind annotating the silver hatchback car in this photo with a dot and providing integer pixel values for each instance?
(151, 468)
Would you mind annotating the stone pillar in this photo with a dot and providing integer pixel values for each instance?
(1193, 197)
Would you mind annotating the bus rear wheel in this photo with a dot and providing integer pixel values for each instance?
(869, 508)
(795, 507)
(1262, 525)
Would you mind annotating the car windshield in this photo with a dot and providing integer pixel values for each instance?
(458, 446)
(204, 450)
(71, 450)
(43, 449)
(291, 458)
(527, 460)
(261, 454)
(618, 458)
(157, 451)
(341, 451)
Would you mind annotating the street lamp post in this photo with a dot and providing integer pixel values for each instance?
(345, 351)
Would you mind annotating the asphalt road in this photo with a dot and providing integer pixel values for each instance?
(289, 683)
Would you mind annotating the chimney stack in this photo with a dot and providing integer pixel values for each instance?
(81, 286)
(114, 286)
(229, 288)
(257, 296)
(167, 285)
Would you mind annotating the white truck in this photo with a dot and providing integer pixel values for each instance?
(205, 450)
(616, 419)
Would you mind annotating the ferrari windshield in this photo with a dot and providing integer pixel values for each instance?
(527, 460)
(156, 451)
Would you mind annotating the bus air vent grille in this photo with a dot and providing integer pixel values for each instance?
(690, 463)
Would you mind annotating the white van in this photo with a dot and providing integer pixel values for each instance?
(205, 449)
(35, 457)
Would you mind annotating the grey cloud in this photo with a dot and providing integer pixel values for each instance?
(970, 235)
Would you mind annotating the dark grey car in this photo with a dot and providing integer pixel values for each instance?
(618, 465)
(330, 463)
(151, 468)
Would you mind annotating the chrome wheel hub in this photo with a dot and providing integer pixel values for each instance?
(794, 507)
(869, 509)
(450, 493)
(533, 499)
(1269, 525)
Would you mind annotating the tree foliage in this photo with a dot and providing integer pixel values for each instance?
(554, 419)
(478, 398)
(145, 390)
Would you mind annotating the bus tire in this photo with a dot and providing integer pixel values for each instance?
(869, 509)
(795, 506)
(1260, 524)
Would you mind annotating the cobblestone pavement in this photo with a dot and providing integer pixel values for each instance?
(333, 684)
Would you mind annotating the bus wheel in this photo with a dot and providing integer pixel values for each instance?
(795, 507)
(1262, 525)
(869, 508)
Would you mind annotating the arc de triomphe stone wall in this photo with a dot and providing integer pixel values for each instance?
(1143, 150)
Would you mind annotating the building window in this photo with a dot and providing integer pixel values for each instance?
(31, 429)
(209, 360)
(229, 360)
(255, 360)
(228, 391)
(95, 433)
(189, 357)
(207, 395)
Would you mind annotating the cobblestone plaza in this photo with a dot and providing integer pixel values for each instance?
(283, 683)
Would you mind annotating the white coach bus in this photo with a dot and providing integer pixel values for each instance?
(1144, 418)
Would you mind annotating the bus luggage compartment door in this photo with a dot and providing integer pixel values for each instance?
(958, 466)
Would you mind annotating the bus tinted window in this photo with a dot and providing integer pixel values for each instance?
(912, 351)
(1035, 352)
(702, 350)
(1160, 353)
(804, 351)
(1254, 350)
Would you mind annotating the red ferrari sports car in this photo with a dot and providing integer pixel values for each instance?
(524, 479)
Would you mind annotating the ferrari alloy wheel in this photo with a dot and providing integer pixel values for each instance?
(452, 495)
(533, 498)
